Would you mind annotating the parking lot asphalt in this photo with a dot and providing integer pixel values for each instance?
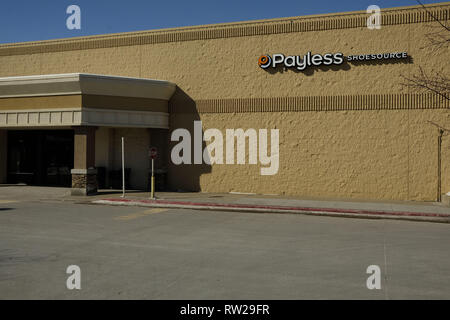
(155, 253)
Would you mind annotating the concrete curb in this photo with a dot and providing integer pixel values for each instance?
(352, 213)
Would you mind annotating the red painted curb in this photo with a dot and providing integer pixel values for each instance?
(285, 208)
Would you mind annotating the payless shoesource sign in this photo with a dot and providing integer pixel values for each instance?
(309, 59)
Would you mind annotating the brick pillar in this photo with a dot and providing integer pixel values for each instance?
(84, 174)
(3, 155)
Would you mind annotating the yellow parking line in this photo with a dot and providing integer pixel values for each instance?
(7, 201)
(140, 214)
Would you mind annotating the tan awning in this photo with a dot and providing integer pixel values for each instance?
(84, 99)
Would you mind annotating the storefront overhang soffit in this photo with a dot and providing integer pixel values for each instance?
(83, 83)
(55, 100)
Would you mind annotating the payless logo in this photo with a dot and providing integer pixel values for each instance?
(264, 61)
(300, 62)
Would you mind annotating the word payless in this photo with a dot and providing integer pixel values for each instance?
(378, 56)
(299, 62)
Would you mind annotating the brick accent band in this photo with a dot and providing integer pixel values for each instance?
(318, 103)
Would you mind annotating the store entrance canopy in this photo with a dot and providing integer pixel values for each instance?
(79, 99)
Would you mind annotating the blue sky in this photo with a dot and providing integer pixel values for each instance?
(32, 20)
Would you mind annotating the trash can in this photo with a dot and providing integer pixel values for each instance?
(101, 177)
(115, 178)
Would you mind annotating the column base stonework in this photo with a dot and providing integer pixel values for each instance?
(84, 182)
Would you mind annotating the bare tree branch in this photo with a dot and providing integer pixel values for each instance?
(432, 15)
(437, 82)
(438, 126)
(437, 39)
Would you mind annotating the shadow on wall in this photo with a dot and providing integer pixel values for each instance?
(183, 112)
(407, 60)
(309, 71)
(345, 66)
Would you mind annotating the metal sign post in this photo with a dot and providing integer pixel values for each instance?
(123, 168)
(153, 154)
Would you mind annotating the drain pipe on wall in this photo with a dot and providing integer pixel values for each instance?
(441, 131)
(439, 186)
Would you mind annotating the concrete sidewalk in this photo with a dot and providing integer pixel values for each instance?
(418, 211)
(409, 210)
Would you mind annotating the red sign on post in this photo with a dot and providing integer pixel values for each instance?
(153, 153)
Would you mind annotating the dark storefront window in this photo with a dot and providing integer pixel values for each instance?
(40, 157)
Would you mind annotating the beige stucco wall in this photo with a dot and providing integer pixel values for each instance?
(375, 151)
(372, 154)
(227, 68)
